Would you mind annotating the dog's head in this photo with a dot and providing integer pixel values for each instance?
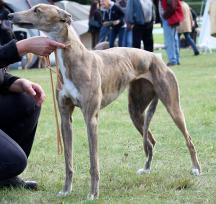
(43, 17)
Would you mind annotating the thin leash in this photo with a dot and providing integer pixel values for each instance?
(59, 84)
(48, 65)
(59, 87)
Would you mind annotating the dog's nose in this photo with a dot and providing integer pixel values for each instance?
(10, 16)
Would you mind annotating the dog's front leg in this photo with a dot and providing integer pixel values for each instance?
(91, 123)
(65, 112)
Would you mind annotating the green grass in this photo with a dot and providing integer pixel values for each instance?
(158, 38)
(121, 152)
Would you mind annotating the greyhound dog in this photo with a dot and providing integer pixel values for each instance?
(93, 79)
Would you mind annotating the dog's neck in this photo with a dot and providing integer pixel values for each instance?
(68, 36)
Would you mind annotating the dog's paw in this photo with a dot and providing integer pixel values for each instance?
(91, 197)
(143, 171)
(195, 172)
(63, 193)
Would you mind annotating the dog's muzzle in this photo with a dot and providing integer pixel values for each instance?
(16, 20)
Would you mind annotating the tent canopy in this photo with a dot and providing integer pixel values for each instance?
(78, 11)
(205, 38)
(80, 14)
(20, 5)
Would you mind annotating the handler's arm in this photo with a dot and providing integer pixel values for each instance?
(9, 54)
(42, 46)
(13, 51)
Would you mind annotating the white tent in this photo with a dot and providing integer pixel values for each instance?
(79, 14)
(205, 39)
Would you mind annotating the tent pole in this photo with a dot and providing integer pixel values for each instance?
(29, 4)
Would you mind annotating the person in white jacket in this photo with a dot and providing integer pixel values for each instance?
(185, 27)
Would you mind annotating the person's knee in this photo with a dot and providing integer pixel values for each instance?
(28, 105)
(20, 164)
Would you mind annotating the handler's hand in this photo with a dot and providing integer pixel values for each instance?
(116, 22)
(33, 89)
(107, 23)
(42, 46)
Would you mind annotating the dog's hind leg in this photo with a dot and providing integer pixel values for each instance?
(166, 87)
(148, 147)
(141, 94)
(66, 109)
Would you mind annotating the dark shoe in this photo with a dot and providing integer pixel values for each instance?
(169, 64)
(17, 182)
(31, 185)
(196, 53)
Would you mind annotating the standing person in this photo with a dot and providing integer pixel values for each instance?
(171, 15)
(194, 25)
(127, 38)
(157, 14)
(185, 27)
(115, 19)
(6, 33)
(212, 14)
(105, 28)
(95, 21)
(20, 104)
(140, 16)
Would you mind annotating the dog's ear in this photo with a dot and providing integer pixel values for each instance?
(65, 16)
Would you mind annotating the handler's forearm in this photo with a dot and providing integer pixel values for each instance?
(39, 45)
(22, 47)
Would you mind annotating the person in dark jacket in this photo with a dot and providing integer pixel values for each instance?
(194, 26)
(128, 37)
(140, 17)
(114, 17)
(6, 33)
(104, 33)
(95, 21)
(20, 102)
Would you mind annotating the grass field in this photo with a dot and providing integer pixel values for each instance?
(121, 152)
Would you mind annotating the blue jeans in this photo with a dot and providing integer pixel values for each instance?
(190, 41)
(113, 35)
(128, 37)
(171, 42)
(104, 34)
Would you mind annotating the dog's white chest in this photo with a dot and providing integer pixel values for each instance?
(68, 89)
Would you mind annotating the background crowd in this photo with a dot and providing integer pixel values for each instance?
(128, 23)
